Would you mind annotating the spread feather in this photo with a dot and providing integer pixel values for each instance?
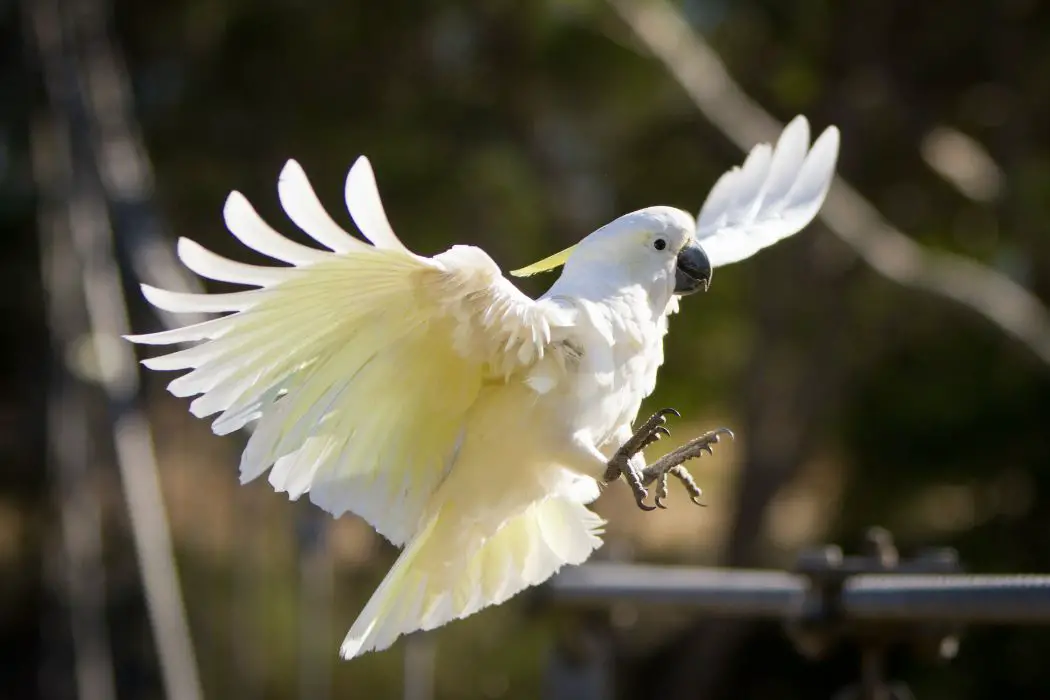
(466, 422)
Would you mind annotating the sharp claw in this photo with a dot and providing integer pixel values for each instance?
(652, 430)
(661, 492)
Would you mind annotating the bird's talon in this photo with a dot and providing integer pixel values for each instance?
(650, 431)
(657, 433)
(661, 492)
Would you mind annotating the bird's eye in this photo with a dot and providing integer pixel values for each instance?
(659, 244)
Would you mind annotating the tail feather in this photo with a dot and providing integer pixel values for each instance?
(445, 574)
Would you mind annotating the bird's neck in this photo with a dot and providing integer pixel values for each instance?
(651, 300)
(628, 307)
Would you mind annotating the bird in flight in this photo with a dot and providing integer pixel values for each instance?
(468, 423)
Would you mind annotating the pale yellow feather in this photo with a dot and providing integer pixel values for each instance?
(392, 386)
(449, 571)
(550, 262)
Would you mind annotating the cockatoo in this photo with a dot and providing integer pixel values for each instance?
(469, 424)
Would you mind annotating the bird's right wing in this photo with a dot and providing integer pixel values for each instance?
(773, 195)
(358, 362)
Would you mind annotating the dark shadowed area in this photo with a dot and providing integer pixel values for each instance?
(870, 379)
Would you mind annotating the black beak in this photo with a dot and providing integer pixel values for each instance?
(693, 271)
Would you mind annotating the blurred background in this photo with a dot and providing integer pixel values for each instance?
(887, 366)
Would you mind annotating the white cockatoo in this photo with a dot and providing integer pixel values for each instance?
(466, 422)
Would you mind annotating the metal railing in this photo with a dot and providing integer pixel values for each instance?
(873, 601)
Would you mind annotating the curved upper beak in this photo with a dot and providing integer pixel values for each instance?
(693, 270)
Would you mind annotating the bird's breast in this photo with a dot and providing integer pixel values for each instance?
(616, 353)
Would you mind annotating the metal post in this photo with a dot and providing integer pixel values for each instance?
(418, 672)
(822, 621)
(80, 570)
(580, 664)
(64, 35)
(315, 605)
(873, 685)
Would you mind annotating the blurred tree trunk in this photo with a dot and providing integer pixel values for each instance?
(24, 363)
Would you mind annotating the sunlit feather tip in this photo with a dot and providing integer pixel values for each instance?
(548, 263)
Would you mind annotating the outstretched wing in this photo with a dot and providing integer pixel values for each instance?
(358, 362)
(772, 196)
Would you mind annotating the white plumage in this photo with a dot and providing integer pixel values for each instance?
(466, 422)
(772, 196)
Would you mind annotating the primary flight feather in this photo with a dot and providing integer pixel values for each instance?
(466, 422)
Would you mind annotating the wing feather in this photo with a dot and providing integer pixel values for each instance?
(182, 302)
(249, 228)
(303, 207)
(366, 208)
(358, 363)
(215, 267)
(773, 195)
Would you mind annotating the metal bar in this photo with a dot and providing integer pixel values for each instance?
(727, 592)
(1022, 599)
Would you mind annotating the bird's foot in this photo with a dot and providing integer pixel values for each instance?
(671, 464)
(649, 432)
(683, 475)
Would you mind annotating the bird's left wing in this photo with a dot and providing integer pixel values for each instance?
(774, 194)
(358, 362)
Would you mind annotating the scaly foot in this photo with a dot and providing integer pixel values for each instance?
(649, 432)
(672, 464)
(683, 475)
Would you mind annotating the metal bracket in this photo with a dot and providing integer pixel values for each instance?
(820, 624)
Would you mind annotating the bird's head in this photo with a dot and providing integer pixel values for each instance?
(654, 247)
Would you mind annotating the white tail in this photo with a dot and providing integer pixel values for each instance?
(450, 571)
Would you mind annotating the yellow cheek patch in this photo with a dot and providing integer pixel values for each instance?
(548, 263)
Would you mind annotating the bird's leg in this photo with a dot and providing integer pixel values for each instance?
(672, 464)
(649, 432)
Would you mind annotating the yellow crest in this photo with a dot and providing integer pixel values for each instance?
(548, 263)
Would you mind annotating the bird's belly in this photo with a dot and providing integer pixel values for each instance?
(505, 458)
(514, 437)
